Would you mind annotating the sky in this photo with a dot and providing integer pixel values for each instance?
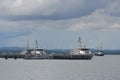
(57, 24)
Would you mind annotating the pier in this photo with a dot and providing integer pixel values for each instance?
(14, 56)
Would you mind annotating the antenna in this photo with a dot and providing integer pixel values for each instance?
(101, 46)
(80, 42)
(36, 46)
(27, 44)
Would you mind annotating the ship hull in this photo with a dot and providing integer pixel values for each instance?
(74, 57)
(99, 54)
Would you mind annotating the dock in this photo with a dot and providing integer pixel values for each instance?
(14, 56)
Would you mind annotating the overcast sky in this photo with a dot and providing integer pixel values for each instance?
(59, 23)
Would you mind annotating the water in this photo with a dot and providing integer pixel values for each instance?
(99, 68)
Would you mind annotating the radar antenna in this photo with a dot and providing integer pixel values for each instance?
(27, 44)
(80, 42)
(36, 44)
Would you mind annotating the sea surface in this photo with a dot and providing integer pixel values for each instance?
(99, 68)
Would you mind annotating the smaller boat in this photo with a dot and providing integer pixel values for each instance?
(99, 52)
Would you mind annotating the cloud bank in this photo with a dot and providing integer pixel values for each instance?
(21, 18)
(60, 14)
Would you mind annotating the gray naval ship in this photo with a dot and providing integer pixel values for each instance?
(99, 51)
(80, 53)
(34, 53)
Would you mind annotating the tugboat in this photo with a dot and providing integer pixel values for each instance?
(81, 52)
(36, 53)
(99, 52)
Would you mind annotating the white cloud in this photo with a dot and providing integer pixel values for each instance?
(28, 7)
(113, 8)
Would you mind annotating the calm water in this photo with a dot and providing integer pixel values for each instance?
(99, 68)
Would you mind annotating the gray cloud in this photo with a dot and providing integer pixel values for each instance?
(73, 15)
(20, 20)
(48, 9)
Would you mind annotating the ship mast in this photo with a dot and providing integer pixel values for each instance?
(36, 46)
(27, 44)
(101, 47)
(80, 42)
